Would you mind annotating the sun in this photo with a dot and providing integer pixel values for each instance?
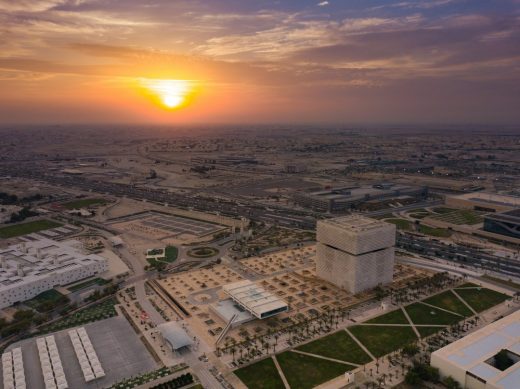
(171, 93)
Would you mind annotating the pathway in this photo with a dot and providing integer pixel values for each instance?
(280, 371)
(326, 358)
(411, 323)
(360, 344)
(464, 302)
(440, 309)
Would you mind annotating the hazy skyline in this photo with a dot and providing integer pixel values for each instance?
(439, 61)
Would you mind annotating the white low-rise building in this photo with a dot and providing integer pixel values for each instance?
(472, 360)
(39, 264)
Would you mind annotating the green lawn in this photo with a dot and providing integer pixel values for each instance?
(394, 317)
(381, 340)
(171, 253)
(434, 231)
(305, 372)
(427, 331)
(401, 224)
(481, 299)
(449, 301)
(339, 345)
(507, 283)
(423, 314)
(443, 210)
(260, 375)
(83, 203)
(27, 228)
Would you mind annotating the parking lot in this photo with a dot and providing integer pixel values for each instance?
(166, 226)
(119, 349)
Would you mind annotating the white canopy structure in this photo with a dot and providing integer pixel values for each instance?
(175, 335)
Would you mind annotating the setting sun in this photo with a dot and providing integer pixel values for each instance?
(171, 93)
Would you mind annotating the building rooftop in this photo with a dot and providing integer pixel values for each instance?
(32, 260)
(474, 352)
(356, 223)
(255, 299)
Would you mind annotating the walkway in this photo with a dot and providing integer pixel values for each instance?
(280, 371)
(411, 323)
(464, 301)
(326, 358)
(360, 344)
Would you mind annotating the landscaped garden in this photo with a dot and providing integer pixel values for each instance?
(481, 299)
(262, 374)
(86, 284)
(321, 361)
(142, 379)
(202, 252)
(306, 372)
(103, 310)
(460, 216)
(47, 301)
(27, 228)
(339, 345)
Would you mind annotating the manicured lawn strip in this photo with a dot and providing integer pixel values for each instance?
(84, 203)
(261, 374)
(449, 301)
(401, 224)
(434, 231)
(423, 314)
(394, 317)
(381, 340)
(305, 372)
(427, 331)
(83, 285)
(482, 299)
(27, 228)
(507, 283)
(95, 312)
(338, 346)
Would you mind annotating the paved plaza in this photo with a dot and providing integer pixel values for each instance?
(119, 349)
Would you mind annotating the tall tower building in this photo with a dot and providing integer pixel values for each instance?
(355, 253)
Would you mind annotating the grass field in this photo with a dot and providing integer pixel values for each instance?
(261, 374)
(427, 331)
(394, 317)
(481, 299)
(339, 345)
(401, 224)
(27, 228)
(507, 283)
(423, 314)
(380, 340)
(443, 210)
(83, 203)
(449, 301)
(460, 216)
(305, 372)
(434, 231)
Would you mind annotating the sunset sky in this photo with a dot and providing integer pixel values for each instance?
(244, 61)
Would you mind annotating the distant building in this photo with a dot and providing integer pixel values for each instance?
(342, 199)
(32, 267)
(355, 253)
(472, 361)
(505, 223)
(486, 202)
(293, 168)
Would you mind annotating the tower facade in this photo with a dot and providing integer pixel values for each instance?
(355, 253)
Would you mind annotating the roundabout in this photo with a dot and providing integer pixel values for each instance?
(202, 252)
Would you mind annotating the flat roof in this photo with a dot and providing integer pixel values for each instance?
(254, 298)
(471, 352)
(356, 223)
